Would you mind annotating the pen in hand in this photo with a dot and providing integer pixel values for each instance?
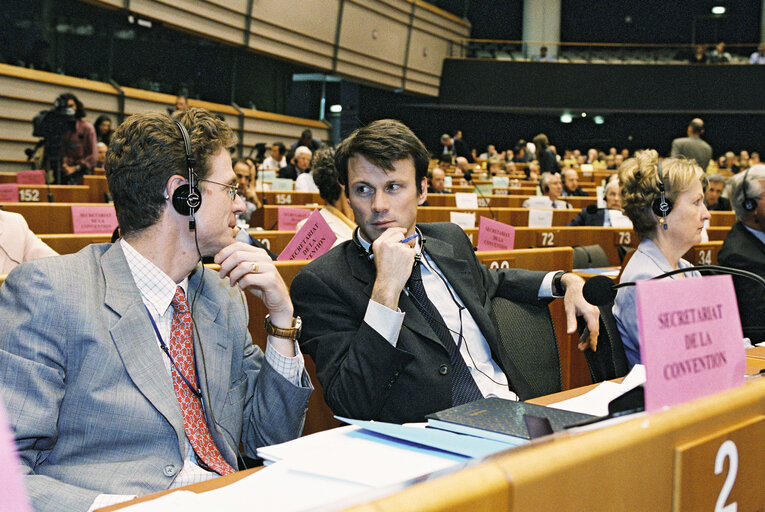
(405, 240)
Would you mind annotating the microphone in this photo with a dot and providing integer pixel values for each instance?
(601, 290)
(469, 179)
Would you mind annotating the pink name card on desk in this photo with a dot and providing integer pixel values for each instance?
(13, 494)
(289, 217)
(690, 338)
(311, 241)
(30, 177)
(93, 219)
(9, 193)
(495, 236)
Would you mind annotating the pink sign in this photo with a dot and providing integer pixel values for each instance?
(93, 219)
(30, 177)
(495, 236)
(311, 241)
(690, 338)
(9, 193)
(289, 217)
(13, 494)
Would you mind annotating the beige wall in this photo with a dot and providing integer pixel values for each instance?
(371, 41)
(25, 92)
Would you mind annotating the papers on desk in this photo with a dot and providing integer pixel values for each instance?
(596, 401)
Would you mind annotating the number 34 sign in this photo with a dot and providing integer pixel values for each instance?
(723, 472)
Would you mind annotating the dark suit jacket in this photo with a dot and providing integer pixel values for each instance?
(722, 205)
(461, 149)
(290, 171)
(586, 218)
(744, 251)
(363, 375)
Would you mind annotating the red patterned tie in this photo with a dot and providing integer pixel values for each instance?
(182, 350)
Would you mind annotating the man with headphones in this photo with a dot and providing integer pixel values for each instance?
(550, 184)
(744, 248)
(397, 319)
(127, 368)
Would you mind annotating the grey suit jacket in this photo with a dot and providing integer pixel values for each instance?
(363, 375)
(87, 392)
(692, 147)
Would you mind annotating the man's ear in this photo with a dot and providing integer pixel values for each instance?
(423, 191)
(175, 181)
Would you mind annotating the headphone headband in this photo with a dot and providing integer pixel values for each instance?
(186, 198)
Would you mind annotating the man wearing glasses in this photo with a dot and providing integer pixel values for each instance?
(127, 368)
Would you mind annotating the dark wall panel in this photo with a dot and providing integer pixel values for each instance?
(645, 88)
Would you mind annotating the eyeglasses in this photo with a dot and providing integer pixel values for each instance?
(232, 189)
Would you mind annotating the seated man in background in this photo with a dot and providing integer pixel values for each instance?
(551, 186)
(571, 184)
(17, 242)
(337, 212)
(308, 140)
(713, 198)
(276, 159)
(301, 163)
(744, 248)
(113, 388)
(101, 160)
(591, 215)
(381, 351)
(437, 181)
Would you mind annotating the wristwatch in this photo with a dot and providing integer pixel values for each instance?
(291, 333)
(558, 289)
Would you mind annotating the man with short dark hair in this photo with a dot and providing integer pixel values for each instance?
(571, 184)
(713, 198)
(127, 368)
(307, 139)
(744, 248)
(380, 351)
(693, 146)
(276, 159)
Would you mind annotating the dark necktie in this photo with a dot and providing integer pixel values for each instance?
(464, 388)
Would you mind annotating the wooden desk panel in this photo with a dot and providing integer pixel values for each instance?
(61, 193)
(289, 197)
(69, 243)
(44, 217)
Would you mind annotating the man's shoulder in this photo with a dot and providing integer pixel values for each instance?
(332, 262)
(64, 272)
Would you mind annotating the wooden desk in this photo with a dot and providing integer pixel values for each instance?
(632, 466)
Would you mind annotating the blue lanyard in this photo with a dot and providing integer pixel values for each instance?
(196, 392)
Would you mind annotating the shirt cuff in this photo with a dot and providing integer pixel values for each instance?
(545, 289)
(104, 500)
(291, 368)
(385, 321)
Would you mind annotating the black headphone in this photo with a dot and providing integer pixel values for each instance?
(749, 203)
(187, 198)
(664, 205)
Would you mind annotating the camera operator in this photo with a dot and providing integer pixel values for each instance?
(70, 141)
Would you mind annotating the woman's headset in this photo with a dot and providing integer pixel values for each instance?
(663, 205)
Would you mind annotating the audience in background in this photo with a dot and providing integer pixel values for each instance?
(276, 159)
(552, 187)
(594, 216)
(103, 127)
(436, 181)
(337, 212)
(665, 235)
(744, 248)
(17, 242)
(101, 159)
(571, 184)
(548, 161)
(300, 164)
(713, 198)
(758, 57)
(693, 146)
(245, 188)
(78, 145)
(544, 56)
(307, 139)
(718, 55)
